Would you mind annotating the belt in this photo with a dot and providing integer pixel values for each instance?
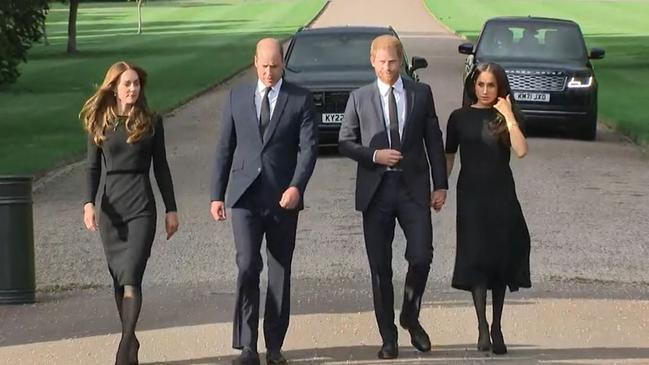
(127, 171)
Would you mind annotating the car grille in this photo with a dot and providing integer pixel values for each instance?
(530, 82)
(330, 101)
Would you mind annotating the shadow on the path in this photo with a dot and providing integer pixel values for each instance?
(453, 354)
(91, 312)
(329, 152)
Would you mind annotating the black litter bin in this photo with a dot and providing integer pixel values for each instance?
(17, 278)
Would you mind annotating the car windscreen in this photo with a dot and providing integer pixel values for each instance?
(529, 40)
(331, 51)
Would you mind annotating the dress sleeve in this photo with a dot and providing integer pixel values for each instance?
(452, 140)
(161, 167)
(93, 170)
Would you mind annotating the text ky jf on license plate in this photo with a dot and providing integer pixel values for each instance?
(332, 117)
(524, 96)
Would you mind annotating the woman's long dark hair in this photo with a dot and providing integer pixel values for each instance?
(498, 126)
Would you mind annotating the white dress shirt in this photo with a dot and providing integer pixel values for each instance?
(272, 96)
(400, 97)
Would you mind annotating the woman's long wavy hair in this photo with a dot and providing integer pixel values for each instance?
(498, 126)
(100, 110)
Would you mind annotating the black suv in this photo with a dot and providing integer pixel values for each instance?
(331, 62)
(547, 66)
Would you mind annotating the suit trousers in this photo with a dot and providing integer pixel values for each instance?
(392, 201)
(252, 219)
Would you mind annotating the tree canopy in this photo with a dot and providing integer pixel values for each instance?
(21, 24)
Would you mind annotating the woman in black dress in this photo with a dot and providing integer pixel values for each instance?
(493, 243)
(125, 136)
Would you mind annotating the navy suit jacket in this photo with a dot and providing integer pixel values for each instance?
(286, 155)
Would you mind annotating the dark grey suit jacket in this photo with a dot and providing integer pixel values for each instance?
(363, 131)
(286, 156)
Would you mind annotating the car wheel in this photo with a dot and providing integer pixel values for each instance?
(588, 132)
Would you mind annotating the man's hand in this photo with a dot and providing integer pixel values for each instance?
(89, 217)
(171, 223)
(387, 157)
(217, 208)
(290, 198)
(437, 199)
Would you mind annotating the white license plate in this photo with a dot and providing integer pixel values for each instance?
(332, 118)
(540, 97)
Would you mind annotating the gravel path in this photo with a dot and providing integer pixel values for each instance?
(586, 203)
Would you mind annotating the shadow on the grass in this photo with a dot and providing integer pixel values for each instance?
(452, 354)
(154, 28)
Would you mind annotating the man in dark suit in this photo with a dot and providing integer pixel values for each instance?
(391, 130)
(268, 145)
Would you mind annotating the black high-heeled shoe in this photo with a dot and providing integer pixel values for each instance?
(484, 341)
(498, 346)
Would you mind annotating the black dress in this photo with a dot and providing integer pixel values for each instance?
(493, 243)
(127, 219)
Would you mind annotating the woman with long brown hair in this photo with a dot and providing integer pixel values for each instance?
(125, 137)
(493, 243)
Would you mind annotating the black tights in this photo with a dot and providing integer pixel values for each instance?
(129, 302)
(480, 302)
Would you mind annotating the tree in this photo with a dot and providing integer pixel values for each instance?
(72, 23)
(45, 40)
(21, 24)
(72, 26)
(139, 15)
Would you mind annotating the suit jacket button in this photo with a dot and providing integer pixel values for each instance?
(259, 169)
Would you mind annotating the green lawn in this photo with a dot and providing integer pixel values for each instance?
(620, 27)
(187, 46)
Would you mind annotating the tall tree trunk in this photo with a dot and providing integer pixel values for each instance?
(72, 26)
(45, 40)
(139, 16)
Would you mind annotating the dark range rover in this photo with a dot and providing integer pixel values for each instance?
(548, 68)
(331, 62)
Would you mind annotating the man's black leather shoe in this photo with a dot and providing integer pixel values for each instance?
(275, 357)
(389, 350)
(418, 337)
(248, 357)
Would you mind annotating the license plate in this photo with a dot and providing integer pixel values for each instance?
(332, 118)
(540, 97)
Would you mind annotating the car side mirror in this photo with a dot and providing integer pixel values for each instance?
(417, 63)
(596, 53)
(465, 48)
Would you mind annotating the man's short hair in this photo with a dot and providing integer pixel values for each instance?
(279, 45)
(386, 41)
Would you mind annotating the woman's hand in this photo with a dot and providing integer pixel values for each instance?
(504, 107)
(89, 217)
(171, 223)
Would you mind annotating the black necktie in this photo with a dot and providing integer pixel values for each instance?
(395, 139)
(264, 116)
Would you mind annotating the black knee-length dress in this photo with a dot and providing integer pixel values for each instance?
(127, 218)
(493, 242)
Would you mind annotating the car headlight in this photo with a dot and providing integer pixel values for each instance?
(579, 82)
(318, 99)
